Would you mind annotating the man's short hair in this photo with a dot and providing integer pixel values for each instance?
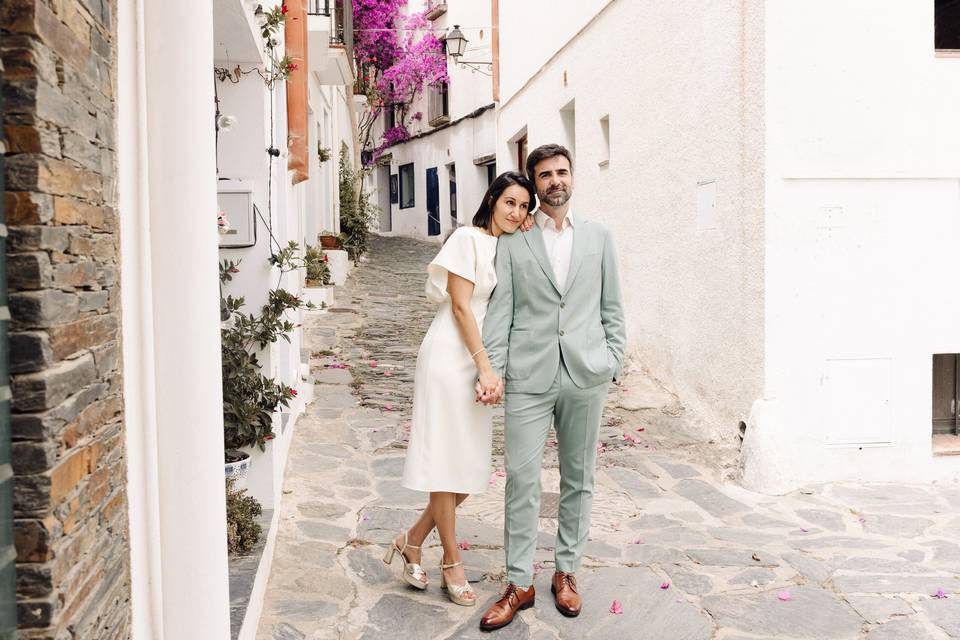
(543, 152)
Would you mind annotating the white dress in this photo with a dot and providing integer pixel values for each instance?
(451, 434)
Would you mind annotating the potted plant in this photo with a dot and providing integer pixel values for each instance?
(329, 240)
(236, 465)
(317, 267)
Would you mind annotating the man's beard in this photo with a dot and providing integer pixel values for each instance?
(556, 198)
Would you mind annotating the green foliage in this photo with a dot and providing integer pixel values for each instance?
(315, 261)
(249, 397)
(356, 210)
(242, 513)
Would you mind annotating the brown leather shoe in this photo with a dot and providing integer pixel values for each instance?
(564, 588)
(501, 614)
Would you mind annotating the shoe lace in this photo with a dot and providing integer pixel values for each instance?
(569, 580)
(511, 593)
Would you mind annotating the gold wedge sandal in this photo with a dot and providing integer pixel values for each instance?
(456, 592)
(412, 572)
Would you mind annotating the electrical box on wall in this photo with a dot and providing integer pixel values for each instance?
(235, 202)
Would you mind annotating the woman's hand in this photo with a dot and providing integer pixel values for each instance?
(527, 223)
(489, 384)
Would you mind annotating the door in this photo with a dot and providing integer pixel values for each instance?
(452, 171)
(383, 199)
(946, 393)
(433, 203)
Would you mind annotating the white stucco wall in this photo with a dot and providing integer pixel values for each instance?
(681, 86)
(862, 194)
(533, 31)
(458, 145)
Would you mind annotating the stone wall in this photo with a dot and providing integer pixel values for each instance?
(70, 503)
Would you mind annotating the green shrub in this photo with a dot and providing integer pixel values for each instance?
(243, 531)
(356, 210)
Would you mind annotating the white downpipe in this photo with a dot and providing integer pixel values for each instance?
(137, 329)
(181, 324)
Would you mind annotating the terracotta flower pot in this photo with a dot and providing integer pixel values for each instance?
(329, 242)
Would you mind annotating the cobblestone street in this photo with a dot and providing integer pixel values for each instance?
(688, 554)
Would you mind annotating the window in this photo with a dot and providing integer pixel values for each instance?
(407, 188)
(946, 20)
(438, 105)
(491, 173)
(605, 141)
(390, 115)
(522, 154)
(946, 393)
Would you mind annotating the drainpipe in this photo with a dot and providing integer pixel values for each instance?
(495, 45)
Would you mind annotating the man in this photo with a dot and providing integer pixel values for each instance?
(554, 330)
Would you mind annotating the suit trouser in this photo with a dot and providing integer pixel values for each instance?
(576, 413)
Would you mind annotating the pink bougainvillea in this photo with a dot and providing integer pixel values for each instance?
(397, 56)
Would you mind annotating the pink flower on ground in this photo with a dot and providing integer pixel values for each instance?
(784, 596)
(940, 594)
(616, 608)
(373, 363)
(387, 374)
(664, 585)
(637, 541)
(464, 546)
(388, 407)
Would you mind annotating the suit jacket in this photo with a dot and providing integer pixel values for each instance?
(530, 321)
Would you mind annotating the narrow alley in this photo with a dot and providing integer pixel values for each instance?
(686, 553)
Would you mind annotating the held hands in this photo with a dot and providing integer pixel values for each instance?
(489, 388)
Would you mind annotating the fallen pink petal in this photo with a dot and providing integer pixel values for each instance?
(940, 594)
(388, 407)
(616, 608)
(664, 585)
(373, 363)
(784, 596)
(387, 374)
(464, 546)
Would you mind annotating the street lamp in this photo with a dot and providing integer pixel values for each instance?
(260, 16)
(456, 44)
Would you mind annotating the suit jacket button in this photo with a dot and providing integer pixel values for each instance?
(563, 304)
(561, 332)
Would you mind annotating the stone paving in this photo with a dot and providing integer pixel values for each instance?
(687, 553)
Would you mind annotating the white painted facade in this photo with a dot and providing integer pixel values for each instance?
(786, 214)
(168, 185)
(862, 199)
(459, 151)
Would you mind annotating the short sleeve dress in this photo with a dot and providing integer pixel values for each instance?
(450, 436)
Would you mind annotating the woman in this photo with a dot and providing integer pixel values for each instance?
(450, 439)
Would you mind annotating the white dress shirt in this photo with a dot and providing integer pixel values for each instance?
(559, 244)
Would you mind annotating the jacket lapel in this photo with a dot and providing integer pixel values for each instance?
(576, 254)
(534, 240)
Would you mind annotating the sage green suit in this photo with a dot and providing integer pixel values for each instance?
(557, 350)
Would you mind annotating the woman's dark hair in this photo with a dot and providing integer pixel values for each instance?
(484, 215)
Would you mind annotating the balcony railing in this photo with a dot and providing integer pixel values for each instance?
(436, 8)
(329, 8)
(320, 8)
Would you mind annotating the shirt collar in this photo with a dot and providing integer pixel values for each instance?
(543, 220)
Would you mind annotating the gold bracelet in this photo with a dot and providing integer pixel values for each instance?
(474, 354)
